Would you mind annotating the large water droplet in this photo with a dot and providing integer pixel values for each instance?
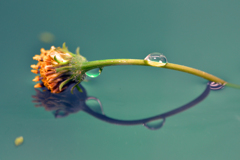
(157, 57)
(155, 124)
(94, 72)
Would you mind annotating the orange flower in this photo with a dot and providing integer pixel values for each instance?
(57, 68)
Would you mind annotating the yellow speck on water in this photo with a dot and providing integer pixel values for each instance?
(46, 37)
(18, 141)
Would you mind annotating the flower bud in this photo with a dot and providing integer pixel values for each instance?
(58, 68)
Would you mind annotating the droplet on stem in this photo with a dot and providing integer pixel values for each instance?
(157, 57)
(94, 72)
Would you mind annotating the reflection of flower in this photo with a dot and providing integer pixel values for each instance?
(58, 67)
(64, 101)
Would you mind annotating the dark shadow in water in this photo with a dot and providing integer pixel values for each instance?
(65, 103)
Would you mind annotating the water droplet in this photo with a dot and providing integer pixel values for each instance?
(157, 57)
(94, 72)
(155, 124)
(95, 105)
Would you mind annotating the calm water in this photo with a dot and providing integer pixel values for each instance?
(204, 35)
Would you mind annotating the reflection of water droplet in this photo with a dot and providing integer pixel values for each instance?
(95, 105)
(155, 124)
(94, 72)
(157, 57)
(215, 86)
(60, 113)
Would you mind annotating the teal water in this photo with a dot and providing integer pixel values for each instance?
(200, 34)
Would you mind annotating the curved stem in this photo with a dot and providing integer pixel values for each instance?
(86, 66)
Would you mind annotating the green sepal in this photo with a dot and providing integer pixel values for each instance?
(78, 51)
(64, 83)
(55, 58)
(78, 88)
(65, 49)
(62, 63)
(64, 46)
(65, 68)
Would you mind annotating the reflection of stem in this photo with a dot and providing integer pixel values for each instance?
(111, 62)
(146, 120)
(233, 85)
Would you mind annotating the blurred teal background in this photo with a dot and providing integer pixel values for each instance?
(200, 34)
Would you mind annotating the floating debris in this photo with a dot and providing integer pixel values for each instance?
(18, 141)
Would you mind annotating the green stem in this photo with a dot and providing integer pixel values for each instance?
(86, 66)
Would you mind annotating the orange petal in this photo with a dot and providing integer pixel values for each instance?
(37, 57)
(52, 48)
(34, 71)
(35, 66)
(56, 79)
(36, 79)
(53, 85)
(51, 72)
(42, 50)
(38, 85)
(48, 67)
(46, 58)
(55, 90)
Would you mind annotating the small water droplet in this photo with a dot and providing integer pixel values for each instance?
(157, 57)
(94, 72)
(155, 124)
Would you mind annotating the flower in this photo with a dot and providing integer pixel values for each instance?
(57, 68)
